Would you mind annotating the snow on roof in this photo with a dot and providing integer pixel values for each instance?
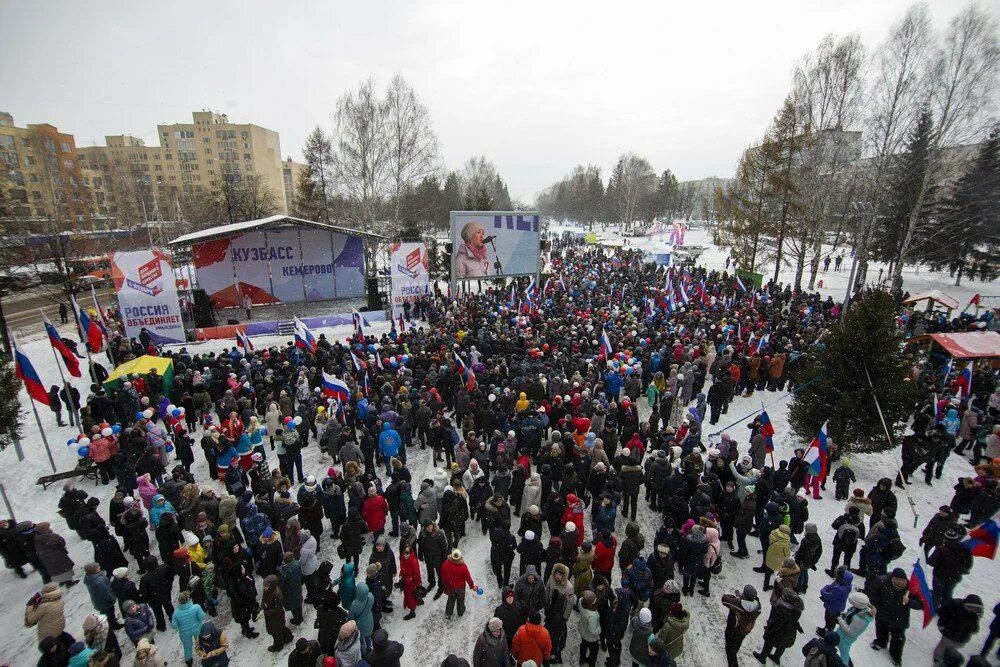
(270, 221)
(934, 295)
(970, 344)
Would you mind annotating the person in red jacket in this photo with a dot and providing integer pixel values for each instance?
(604, 554)
(232, 429)
(454, 577)
(373, 511)
(532, 641)
(103, 447)
(409, 574)
(574, 514)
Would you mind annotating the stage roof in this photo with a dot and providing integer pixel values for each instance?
(970, 345)
(263, 223)
(936, 296)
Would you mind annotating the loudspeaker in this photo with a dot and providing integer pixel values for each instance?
(374, 298)
(203, 314)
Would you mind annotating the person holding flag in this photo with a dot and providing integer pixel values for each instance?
(243, 341)
(767, 432)
(817, 460)
(606, 348)
(334, 387)
(894, 598)
(69, 359)
(90, 332)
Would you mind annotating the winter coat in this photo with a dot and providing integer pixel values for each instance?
(589, 623)
(672, 633)
(783, 622)
(273, 606)
(742, 614)
(140, 624)
(384, 653)
(531, 642)
(779, 548)
(834, 595)
(51, 550)
(187, 620)
(290, 579)
(638, 645)
(850, 626)
(361, 609)
(101, 594)
(48, 615)
(956, 622)
(532, 494)
(373, 511)
(638, 579)
(531, 596)
(491, 651)
(888, 602)
(211, 646)
(455, 575)
(426, 504)
(633, 545)
(158, 509)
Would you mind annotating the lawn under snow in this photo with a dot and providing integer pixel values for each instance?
(429, 638)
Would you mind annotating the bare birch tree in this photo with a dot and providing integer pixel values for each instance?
(363, 155)
(413, 142)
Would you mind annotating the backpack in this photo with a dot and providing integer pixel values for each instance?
(717, 565)
(894, 549)
(847, 536)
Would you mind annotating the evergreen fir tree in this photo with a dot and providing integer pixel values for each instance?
(10, 404)
(833, 386)
(905, 181)
(966, 239)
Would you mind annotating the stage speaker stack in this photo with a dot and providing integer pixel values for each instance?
(203, 314)
(374, 298)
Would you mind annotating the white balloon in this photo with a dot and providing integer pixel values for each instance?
(147, 413)
(297, 421)
(106, 432)
(84, 442)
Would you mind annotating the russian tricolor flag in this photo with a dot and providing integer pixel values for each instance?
(243, 340)
(684, 294)
(335, 387)
(739, 283)
(89, 330)
(606, 348)
(615, 262)
(25, 371)
(531, 291)
(762, 342)
(815, 456)
(304, 338)
(767, 430)
(964, 381)
(470, 377)
(921, 591)
(72, 363)
(102, 318)
(982, 540)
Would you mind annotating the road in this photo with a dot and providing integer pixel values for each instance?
(22, 309)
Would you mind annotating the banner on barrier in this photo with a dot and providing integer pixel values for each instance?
(147, 295)
(410, 279)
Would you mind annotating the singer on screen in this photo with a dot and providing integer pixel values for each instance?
(472, 260)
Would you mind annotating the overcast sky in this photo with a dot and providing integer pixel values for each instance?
(538, 87)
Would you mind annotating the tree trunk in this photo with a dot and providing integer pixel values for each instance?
(780, 241)
(911, 225)
(800, 263)
(958, 275)
(814, 265)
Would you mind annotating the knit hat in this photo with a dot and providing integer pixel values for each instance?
(662, 549)
(529, 535)
(973, 603)
(128, 501)
(858, 600)
(858, 493)
(570, 526)
(810, 528)
(310, 481)
(645, 615)
(494, 624)
(268, 532)
(898, 573)
(749, 592)
(91, 568)
(120, 572)
(347, 629)
(832, 638)
(90, 622)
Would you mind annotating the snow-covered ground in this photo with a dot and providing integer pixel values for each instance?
(429, 638)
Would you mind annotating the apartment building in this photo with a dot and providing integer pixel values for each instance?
(191, 160)
(291, 172)
(43, 177)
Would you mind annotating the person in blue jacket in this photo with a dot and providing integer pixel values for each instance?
(389, 443)
(254, 524)
(187, 620)
(834, 597)
(360, 612)
(160, 507)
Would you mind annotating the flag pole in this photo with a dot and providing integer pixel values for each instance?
(70, 403)
(38, 421)
(84, 337)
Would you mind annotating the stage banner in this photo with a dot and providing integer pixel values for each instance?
(489, 244)
(286, 264)
(231, 267)
(349, 265)
(147, 295)
(410, 281)
(317, 264)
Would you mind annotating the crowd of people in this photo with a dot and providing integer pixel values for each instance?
(531, 415)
